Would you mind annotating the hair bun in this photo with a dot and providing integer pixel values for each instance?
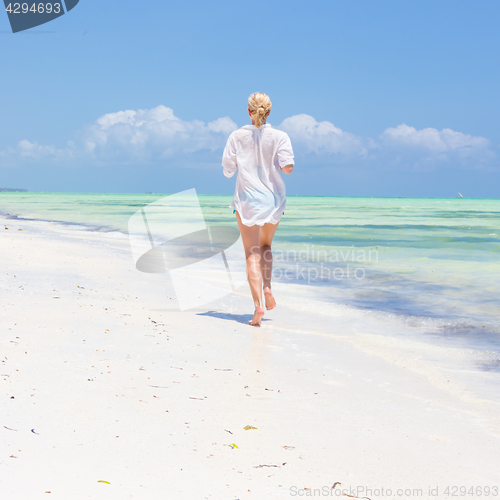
(259, 105)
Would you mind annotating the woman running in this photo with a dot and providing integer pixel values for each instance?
(259, 152)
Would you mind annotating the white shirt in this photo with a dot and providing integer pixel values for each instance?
(260, 194)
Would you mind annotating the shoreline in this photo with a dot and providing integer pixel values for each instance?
(87, 227)
(121, 387)
(230, 195)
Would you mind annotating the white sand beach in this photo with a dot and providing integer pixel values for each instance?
(110, 392)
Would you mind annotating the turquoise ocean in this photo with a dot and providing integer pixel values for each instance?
(433, 262)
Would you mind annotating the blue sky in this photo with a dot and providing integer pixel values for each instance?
(380, 98)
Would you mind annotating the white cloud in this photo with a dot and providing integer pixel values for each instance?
(132, 137)
(149, 135)
(37, 151)
(429, 147)
(33, 151)
(157, 136)
(323, 137)
(434, 140)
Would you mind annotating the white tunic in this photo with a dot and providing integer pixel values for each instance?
(260, 194)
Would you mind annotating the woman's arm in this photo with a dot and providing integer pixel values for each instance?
(229, 157)
(285, 154)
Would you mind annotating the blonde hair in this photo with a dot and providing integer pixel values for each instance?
(259, 105)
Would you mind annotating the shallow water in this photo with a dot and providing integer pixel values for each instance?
(431, 262)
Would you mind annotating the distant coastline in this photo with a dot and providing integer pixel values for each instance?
(13, 190)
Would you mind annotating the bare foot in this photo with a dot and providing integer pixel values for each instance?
(257, 316)
(270, 300)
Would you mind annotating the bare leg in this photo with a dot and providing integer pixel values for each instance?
(266, 261)
(250, 238)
